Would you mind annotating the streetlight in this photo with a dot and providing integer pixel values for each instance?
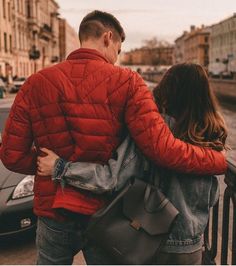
(34, 54)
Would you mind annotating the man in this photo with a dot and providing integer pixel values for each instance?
(80, 109)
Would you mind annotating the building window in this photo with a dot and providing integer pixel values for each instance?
(4, 8)
(19, 34)
(9, 11)
(10, 43)
(23, 40)
(22, 7)
(206, 38)
(28, 10)
(5, 42)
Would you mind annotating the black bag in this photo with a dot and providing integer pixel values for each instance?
(133, 227)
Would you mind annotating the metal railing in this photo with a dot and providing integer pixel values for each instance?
(220, 234)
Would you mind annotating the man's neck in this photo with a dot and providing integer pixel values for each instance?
(92, 45)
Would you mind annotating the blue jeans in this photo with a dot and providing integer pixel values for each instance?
(58, 242)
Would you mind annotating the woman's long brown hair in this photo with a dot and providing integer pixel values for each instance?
(185, 94)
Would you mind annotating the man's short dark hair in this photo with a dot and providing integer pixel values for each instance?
(96, 23)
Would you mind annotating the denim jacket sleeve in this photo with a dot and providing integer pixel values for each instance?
(100, 178)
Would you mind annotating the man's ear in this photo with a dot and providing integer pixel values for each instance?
(107, 38)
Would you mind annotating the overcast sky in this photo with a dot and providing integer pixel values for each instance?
(144, 19)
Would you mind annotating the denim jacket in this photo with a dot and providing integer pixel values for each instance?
(192, 195)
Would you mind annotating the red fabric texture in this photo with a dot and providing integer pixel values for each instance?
(80, 109)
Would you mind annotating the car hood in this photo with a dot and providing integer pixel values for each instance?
(8, 178)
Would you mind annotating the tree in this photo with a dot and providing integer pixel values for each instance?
(154, 43)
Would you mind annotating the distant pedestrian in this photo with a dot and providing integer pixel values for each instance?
(80, 109)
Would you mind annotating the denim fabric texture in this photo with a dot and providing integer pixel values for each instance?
(192, 195)
(59, 167)
(103, 178)
(58, 242)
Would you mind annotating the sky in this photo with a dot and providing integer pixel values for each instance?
(145, 19)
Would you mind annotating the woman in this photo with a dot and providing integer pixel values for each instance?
(189, 107)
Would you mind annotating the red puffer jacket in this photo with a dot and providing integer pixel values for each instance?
(79, 109)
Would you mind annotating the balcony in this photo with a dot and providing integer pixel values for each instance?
(45, 32)
(34, 53)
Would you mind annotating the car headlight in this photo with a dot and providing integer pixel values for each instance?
(24, 188)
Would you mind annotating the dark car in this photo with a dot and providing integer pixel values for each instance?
(17, 83)
(16, 196)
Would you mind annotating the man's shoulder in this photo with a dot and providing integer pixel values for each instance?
(49, 75)
(123, 70)
(59, 69)
(124, 73)
(44, 80)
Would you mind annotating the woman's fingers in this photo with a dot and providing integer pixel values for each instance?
(46, 163)
(45, 150)
(43, 170)
(42, 173)
(45, 166)
(41, 161)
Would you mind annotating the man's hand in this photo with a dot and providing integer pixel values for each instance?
(46, 163)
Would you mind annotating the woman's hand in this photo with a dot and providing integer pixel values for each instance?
(46, 163)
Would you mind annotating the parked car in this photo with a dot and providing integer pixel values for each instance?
(227, 75)
(17, 83)
(215, 69)
(16, 197)
(2, 89)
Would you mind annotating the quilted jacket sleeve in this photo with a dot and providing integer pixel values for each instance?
(17, 153)
(156, 141)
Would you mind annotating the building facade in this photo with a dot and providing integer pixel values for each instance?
(179, 49)
(69, 40)
(30, 36)
(223, 46)
(6, 38)
(196, 46)
(193, 46)
(162, 55)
